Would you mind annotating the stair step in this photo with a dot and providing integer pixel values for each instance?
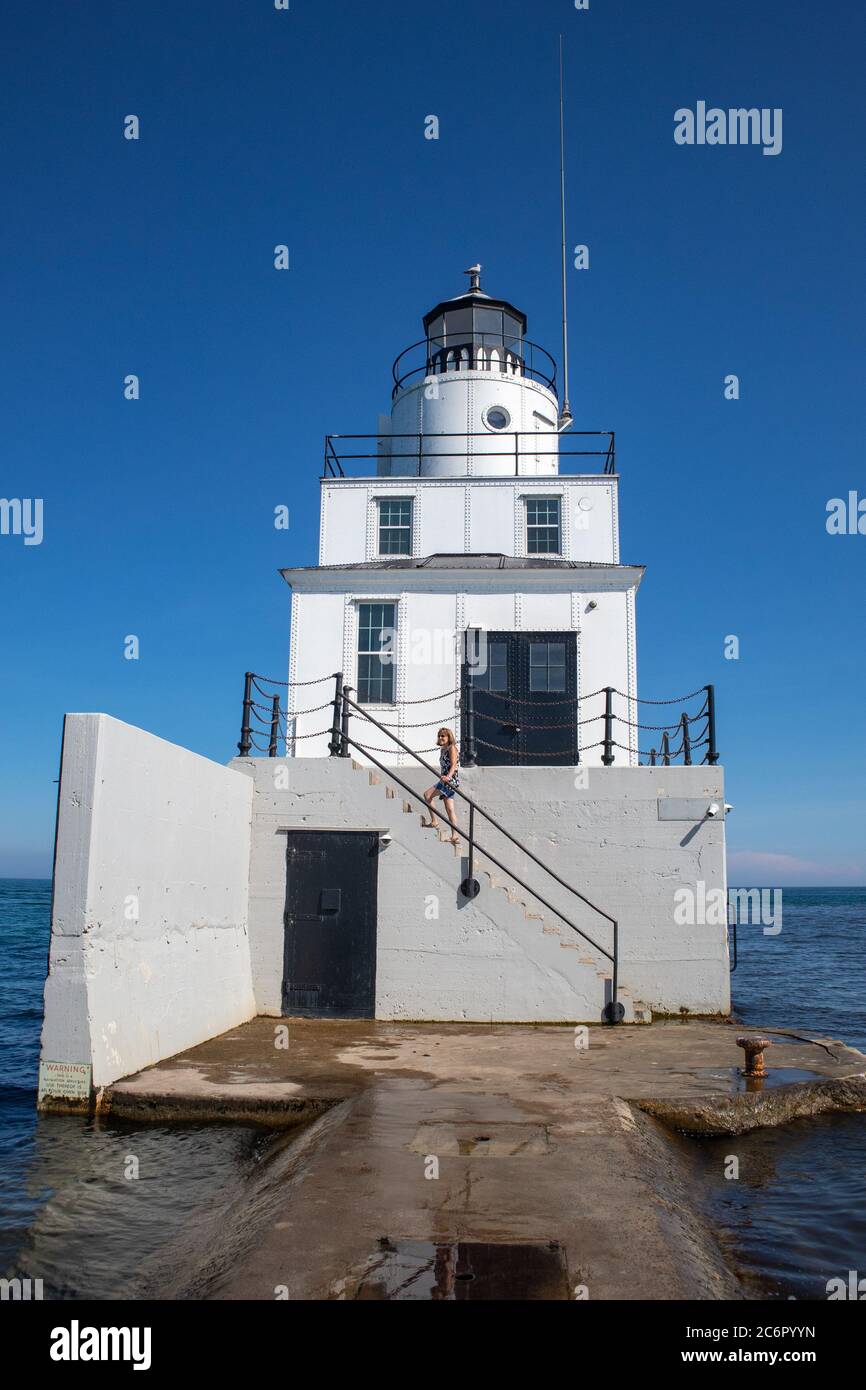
(551, 931)
(374, 778)
(390, 793)
(356, 765)
(407, 808)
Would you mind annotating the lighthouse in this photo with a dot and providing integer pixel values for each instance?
(469, 567)
(469, 577)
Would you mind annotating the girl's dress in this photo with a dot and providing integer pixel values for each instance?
(445, 786)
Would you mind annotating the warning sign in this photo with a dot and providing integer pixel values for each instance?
(70, 1080)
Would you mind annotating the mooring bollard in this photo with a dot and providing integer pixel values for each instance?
(754, 1050)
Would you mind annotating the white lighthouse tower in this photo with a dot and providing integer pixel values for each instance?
(469, 570)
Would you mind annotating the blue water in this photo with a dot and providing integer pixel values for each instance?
(811, 975)
(69, 1214)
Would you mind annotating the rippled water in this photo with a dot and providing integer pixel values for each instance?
(73, 1214)
(811, 975)
(794, 1218)
(93, 1206)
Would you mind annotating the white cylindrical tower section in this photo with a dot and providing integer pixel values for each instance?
(475, 397)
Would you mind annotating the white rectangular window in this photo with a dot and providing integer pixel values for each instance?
(543, 526)
(376, 643)
(395, 526)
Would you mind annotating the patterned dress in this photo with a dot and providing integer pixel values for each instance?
(444, 764)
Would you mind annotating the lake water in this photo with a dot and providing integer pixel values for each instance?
(70, 1215)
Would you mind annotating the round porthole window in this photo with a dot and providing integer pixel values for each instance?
(497, 418)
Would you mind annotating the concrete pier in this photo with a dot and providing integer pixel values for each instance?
(520, 1140)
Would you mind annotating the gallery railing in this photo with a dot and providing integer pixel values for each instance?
(480, 352)
(345, 452)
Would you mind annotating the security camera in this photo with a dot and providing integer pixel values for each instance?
(728, 808)
(713, 809)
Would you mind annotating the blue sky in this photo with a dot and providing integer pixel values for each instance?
(306, 128)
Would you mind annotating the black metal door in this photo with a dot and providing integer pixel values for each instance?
(329, 963)
(524, 698)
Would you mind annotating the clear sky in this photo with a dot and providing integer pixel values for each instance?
(306, 127)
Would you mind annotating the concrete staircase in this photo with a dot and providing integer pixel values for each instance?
(554, 946)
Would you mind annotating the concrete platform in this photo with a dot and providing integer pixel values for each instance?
(421, 1137)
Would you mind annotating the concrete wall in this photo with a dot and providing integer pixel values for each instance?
(629, 838)
(149, 947)
(606, 831)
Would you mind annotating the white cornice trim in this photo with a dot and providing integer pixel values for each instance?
(614, 577)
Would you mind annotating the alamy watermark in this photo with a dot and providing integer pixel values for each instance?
(22, 516)
(736, 126)
(703, 907)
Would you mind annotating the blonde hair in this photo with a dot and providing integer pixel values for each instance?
(449, 734)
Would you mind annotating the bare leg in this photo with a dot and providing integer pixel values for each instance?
(452, 816)
(428, 797)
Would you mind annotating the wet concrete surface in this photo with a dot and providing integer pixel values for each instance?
(422, 1139)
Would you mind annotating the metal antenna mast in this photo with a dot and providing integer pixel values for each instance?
(565, 417)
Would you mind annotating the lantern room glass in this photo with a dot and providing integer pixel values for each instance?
(478, 325)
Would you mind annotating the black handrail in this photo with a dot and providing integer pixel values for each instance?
(613, 1010)
(509, 440)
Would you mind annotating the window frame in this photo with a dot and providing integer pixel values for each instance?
(377, 701)
(547, 666)
(530, 527)
(379, 502)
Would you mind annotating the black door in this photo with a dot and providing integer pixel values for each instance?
(524, 699)
(329, 962)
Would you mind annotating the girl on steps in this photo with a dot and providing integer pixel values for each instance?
(449, 759)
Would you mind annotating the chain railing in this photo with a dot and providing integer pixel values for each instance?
(681, 740)
(695, 731)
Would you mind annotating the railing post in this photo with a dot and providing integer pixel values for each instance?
(614, 1011)
(666, 750)
(687, 743)
(607, 756)
(470, 887)
(336, 742)
(468, 756)
(275, 726)
(344, 723)
(712, 750)
(246, 742)
(652, 761)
